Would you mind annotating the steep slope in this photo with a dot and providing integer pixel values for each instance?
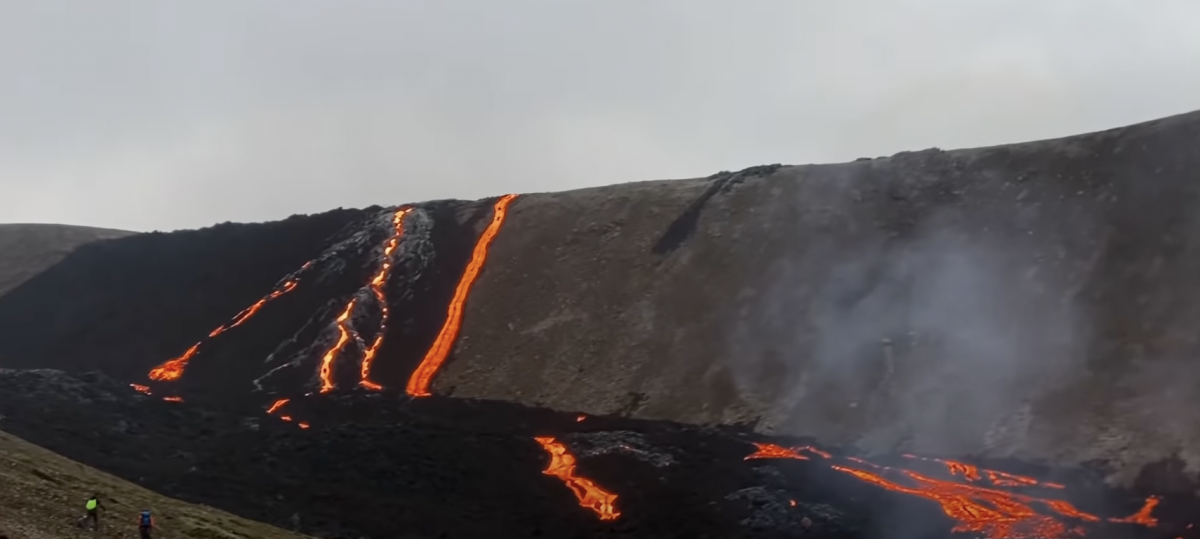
(28, 249)
(1036, 300)
(43, 495)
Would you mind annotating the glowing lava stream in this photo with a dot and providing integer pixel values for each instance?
(343, 337)
(172, 369)
(772, 451)
(990, 512)
(377, 285)
(562, 466)
(277, 405)
(422, 377)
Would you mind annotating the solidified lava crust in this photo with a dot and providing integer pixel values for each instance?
(375, 463)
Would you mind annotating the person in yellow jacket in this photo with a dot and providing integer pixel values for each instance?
(93, 507)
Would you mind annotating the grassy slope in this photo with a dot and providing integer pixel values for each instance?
(26, 250)
(42, 495)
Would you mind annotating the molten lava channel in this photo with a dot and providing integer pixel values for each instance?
(562, 466)
(986, 511)
(378, 285)
(172, 369)
(343, 337)
(276, 406)
(422, 377)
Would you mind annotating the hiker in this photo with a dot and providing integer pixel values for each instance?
(145, 524)
(93, 511)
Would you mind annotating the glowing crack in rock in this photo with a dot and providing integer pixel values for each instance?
(562, 466)
(422, 377)
(140, 389)
(172, 369)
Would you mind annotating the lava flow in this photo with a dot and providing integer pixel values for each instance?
(772, 451)
(172, 369)
(562, 466)
(377, 287)
(277, 405)
(988, 511)
(998, 478)
(343, 337)
(422, 377)
(140, 388)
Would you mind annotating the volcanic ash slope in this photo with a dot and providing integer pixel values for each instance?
(1036, 300)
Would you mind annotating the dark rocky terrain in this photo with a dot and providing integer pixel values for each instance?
(382, 465)
(1027, 308)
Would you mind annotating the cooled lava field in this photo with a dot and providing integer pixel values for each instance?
(287, 372)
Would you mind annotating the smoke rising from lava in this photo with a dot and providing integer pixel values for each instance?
(933, 340)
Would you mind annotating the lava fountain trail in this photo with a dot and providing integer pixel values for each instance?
(988, 511)
(562, 466)
(172, 369)
(422, 377)
(377, 287)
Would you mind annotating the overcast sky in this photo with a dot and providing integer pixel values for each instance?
(163, 115)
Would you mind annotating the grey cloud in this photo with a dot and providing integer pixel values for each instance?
(147, 115)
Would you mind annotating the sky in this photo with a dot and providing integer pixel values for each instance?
(150, 115)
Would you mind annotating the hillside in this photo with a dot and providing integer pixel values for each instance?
(1028, 307)
(43, 495)
(27, 249)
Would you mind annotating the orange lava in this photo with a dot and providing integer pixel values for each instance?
(772, 451)
(1143, 515)
(992, 513)
(172, 369)
(986, 511)
(562, 466)
(792, 503)
(997, 478)
(302, 425)
(580, 418)
(285, 417)
(140, 388)
(173, 399)
(242, 317)
(422, 377)
(327, 361)
(377, 285)
(277, 405)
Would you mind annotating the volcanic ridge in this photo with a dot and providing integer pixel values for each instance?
(977, 343)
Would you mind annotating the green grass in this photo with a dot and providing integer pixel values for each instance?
(42, 495)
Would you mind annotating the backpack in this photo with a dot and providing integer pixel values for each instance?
(145, 520)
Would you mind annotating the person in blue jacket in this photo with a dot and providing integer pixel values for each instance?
(145, 524)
